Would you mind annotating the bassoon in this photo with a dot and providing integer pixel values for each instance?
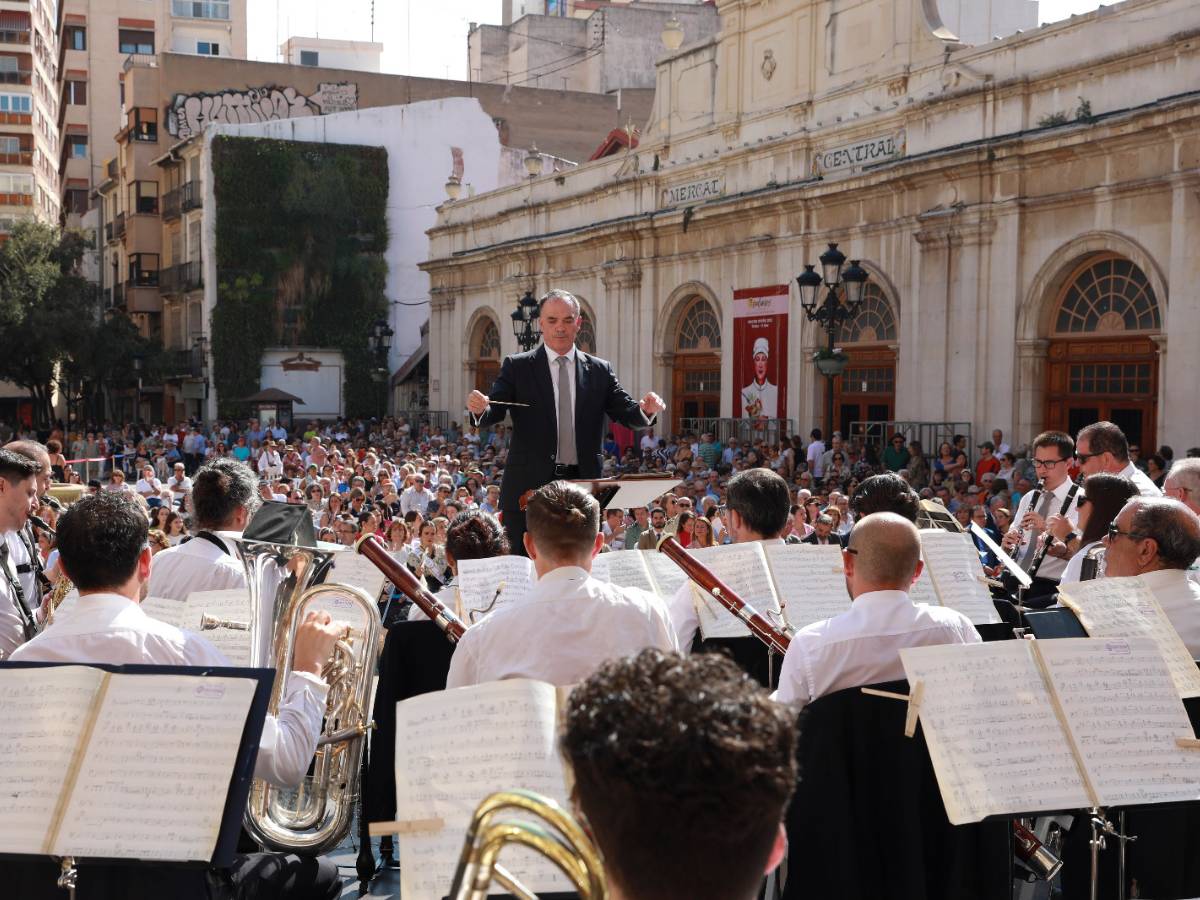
(775, 639)
(406, 583)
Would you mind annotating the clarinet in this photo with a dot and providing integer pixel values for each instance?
(1044, 547)
(775, 639)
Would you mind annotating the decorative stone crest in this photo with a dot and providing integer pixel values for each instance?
(768, 64)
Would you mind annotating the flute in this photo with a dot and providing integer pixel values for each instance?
(762, 629)
(406, 583)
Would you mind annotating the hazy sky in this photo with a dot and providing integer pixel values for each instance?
(426, 37)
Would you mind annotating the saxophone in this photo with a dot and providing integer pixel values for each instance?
(58, 593)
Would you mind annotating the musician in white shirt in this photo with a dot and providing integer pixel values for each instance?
(1183, 484)
(862, 646)
(1103, 447)
(1158, 539)
(149, 487)
(103, 548)
(1052, 454)
(757, 506)
(570, 622)
(18, 498)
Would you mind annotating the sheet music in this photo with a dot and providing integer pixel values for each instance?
(995, 741)
(922, 590)
(810, 581)
(44, 712)
(1126, 607)
(356, 570)
(957, 571)
(478, 580)
(743, 567)
(170, 611)
(1123, 709)
(439, 775)
(231, 606)
(667, 576)
(623, 569)
(154, 779)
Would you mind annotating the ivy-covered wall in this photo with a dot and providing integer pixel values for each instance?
(301, 235)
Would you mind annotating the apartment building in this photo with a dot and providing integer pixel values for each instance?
(97, 40)
(28, 112)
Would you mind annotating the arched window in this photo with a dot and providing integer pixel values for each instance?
(489, 341)
(586, 339)
(1107, 295)
(875, 322)
(699, 328)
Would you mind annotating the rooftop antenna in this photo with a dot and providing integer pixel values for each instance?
(372, 21)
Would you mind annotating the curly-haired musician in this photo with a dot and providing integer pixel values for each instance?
(570, 622)
(683, 770)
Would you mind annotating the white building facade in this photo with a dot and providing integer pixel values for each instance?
(1028, 210)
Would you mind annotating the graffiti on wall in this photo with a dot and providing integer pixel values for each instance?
(187, 114)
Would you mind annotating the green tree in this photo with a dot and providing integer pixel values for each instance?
(47, 310)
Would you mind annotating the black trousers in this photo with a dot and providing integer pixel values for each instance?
(514, 527)
(276, 876)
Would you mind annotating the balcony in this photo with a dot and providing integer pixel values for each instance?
(181, 278)
(8, 36)
(170, 205)
(15, 76)
(119, 226)
(184, 363)
(143, 298)
(112, 168)
(200, 9)
(108, 233)
(190, 196)
(23, 158)
(117, 293)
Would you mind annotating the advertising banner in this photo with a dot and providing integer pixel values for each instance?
(760, 336)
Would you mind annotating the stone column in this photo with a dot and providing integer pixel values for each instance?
(1030, 389)
(443, 338)
(622, 322)
(1181, 318)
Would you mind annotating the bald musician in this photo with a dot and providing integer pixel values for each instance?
(862, 646)
(757, 507)
(570, 622)
(683, 768)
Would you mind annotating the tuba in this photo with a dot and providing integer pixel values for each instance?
(284, 586)
(559, 838)
(1089, 567)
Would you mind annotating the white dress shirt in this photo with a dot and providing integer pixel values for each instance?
(109, 628)
(561, 632)
(411, 499)
(197, 565)
(1141, 481)
(18, 553)
(149, 487)
(12, 624)
(862, 646)
(1179, 597)
(1052, 567)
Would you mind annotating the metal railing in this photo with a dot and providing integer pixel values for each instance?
(930, 434)
(170, 205)
(112, 167)
(200, 9)
(434, 418)
(7, 36)
(118, 224)
(772, 431)
(190, 196)
(143, 60)
(15, 76)
(183, 363)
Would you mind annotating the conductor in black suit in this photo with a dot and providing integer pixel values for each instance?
(565, 394)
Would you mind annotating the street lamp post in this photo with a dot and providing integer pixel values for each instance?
(200, 347)
(832, 312)
(137, 402)
(526, 326)
(381, 344)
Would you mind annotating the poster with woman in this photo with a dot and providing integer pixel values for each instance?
(760, 328)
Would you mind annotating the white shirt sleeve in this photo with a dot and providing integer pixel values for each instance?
(462, 664)
(794, 687)
(289, 740)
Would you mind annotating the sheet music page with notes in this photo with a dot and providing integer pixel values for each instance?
(810, 581)
(743, 567)
(624, 569)
(479, 579)
(994, 738)
(1126, 607)
(170, 611)
(229, 606)
(156, 772)
(44, 714)
(667, 576)
(922, 590)
(356, 570)
(454, 748)
(1124, 712)
(956, 570)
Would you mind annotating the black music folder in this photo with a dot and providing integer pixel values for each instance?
(128, 764)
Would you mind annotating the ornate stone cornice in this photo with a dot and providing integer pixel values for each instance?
(621, 273)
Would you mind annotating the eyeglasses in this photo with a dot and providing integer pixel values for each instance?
(1084, 457)
(1049, 463)
(1082, 501)
(1114, 532)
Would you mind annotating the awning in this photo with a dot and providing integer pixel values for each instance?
(272, 395)
(419, 356)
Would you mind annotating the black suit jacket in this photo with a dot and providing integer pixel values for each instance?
(835, 539)
(525, 378)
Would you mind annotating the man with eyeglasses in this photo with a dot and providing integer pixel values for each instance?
(1102, 447)
(1183, 484)
(1052, 453)
(1159, 539)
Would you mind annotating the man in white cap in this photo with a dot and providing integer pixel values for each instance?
(760, 398)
